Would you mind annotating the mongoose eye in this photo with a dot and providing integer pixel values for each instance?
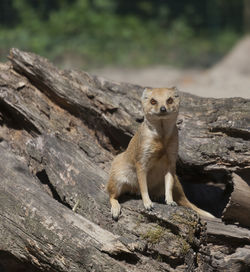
(153, 101)
(170, 100)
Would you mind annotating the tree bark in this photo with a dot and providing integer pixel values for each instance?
(59, 131)
(37, 228)
(238, 207)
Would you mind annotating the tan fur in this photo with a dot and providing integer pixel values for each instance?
(148, 166)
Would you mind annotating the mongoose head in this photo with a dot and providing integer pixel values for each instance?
(160, 103)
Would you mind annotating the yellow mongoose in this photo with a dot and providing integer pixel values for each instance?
(148, 165)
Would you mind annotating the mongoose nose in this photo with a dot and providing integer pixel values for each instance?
(163, 109)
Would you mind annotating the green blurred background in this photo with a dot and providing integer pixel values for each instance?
(125, 33)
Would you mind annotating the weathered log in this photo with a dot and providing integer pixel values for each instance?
(238, 207)
(65, 125)
(229, 246)
(36, 228)
(53, 238)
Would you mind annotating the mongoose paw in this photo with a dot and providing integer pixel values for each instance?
(116, 211)
(149, 206)
(172, 203)
(115, 218)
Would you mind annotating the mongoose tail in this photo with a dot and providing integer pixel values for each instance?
(181, 199)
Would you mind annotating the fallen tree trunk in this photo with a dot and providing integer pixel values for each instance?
(45, 233)
(65, 126)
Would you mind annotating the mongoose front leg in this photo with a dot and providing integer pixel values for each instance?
(115, 208)
(169, 185)
(114, 192)
(142, 180)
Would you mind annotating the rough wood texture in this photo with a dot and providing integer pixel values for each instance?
(37, 228)
(58, 133)
(238, 207)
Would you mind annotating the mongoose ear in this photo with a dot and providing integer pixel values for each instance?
(174, 88)
(145, 93)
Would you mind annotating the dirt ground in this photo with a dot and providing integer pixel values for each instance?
(228, 78)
